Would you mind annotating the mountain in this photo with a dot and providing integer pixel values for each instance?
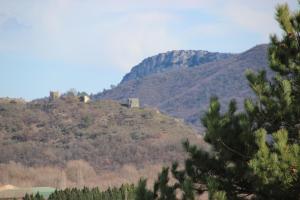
(172, 84)
(172, 60)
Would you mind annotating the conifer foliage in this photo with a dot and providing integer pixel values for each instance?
(125, 192)
(256, 152)
(37, 196)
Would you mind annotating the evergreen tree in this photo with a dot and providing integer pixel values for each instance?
(125, 192)
(162, 191)
(37, 196)
(256, 153)
(142, 193)
(26, 197)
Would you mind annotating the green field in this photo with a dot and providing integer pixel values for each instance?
(20, 192)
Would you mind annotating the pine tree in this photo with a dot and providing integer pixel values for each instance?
(142, 193)
(256, 153)
(26, 197)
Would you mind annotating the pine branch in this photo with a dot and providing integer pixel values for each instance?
(232, 150)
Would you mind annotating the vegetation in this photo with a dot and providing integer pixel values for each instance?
(103, 133)
(256, 153)
(67, 143)
(125, 192)
(33, 197)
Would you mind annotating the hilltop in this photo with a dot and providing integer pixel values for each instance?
(105, 134)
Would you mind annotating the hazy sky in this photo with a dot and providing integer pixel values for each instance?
(90, 44)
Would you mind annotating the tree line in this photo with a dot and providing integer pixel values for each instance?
(125, 192)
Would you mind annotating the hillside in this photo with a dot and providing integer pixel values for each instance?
(184, 92)
(104, 133)
(110, 144)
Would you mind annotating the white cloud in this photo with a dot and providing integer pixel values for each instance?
(136, 36)
(121, 33)
(67, 30)
(255, 16)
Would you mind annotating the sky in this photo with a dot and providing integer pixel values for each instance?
(89, 45)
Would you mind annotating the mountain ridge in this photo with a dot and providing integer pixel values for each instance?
(172, 60)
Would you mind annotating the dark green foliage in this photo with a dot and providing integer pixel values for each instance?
(142, 193)
(33, 197)
(255, 153)
(243, 162)
(125, 192)
(163, 190)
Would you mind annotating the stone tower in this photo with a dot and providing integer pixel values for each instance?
(133, 103)
(54, 95)
(84, 98)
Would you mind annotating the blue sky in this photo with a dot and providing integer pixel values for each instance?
(90, 44)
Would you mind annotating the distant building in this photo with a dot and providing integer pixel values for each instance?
(133, 103)
(84, 98)
(54, 95)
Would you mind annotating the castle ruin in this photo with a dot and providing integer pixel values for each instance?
(84, 98)
(133, 103)
(54, 95)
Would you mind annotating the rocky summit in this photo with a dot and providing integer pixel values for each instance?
(177, 59)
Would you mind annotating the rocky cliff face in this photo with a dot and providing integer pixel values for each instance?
(172, 60)
(183, 90)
